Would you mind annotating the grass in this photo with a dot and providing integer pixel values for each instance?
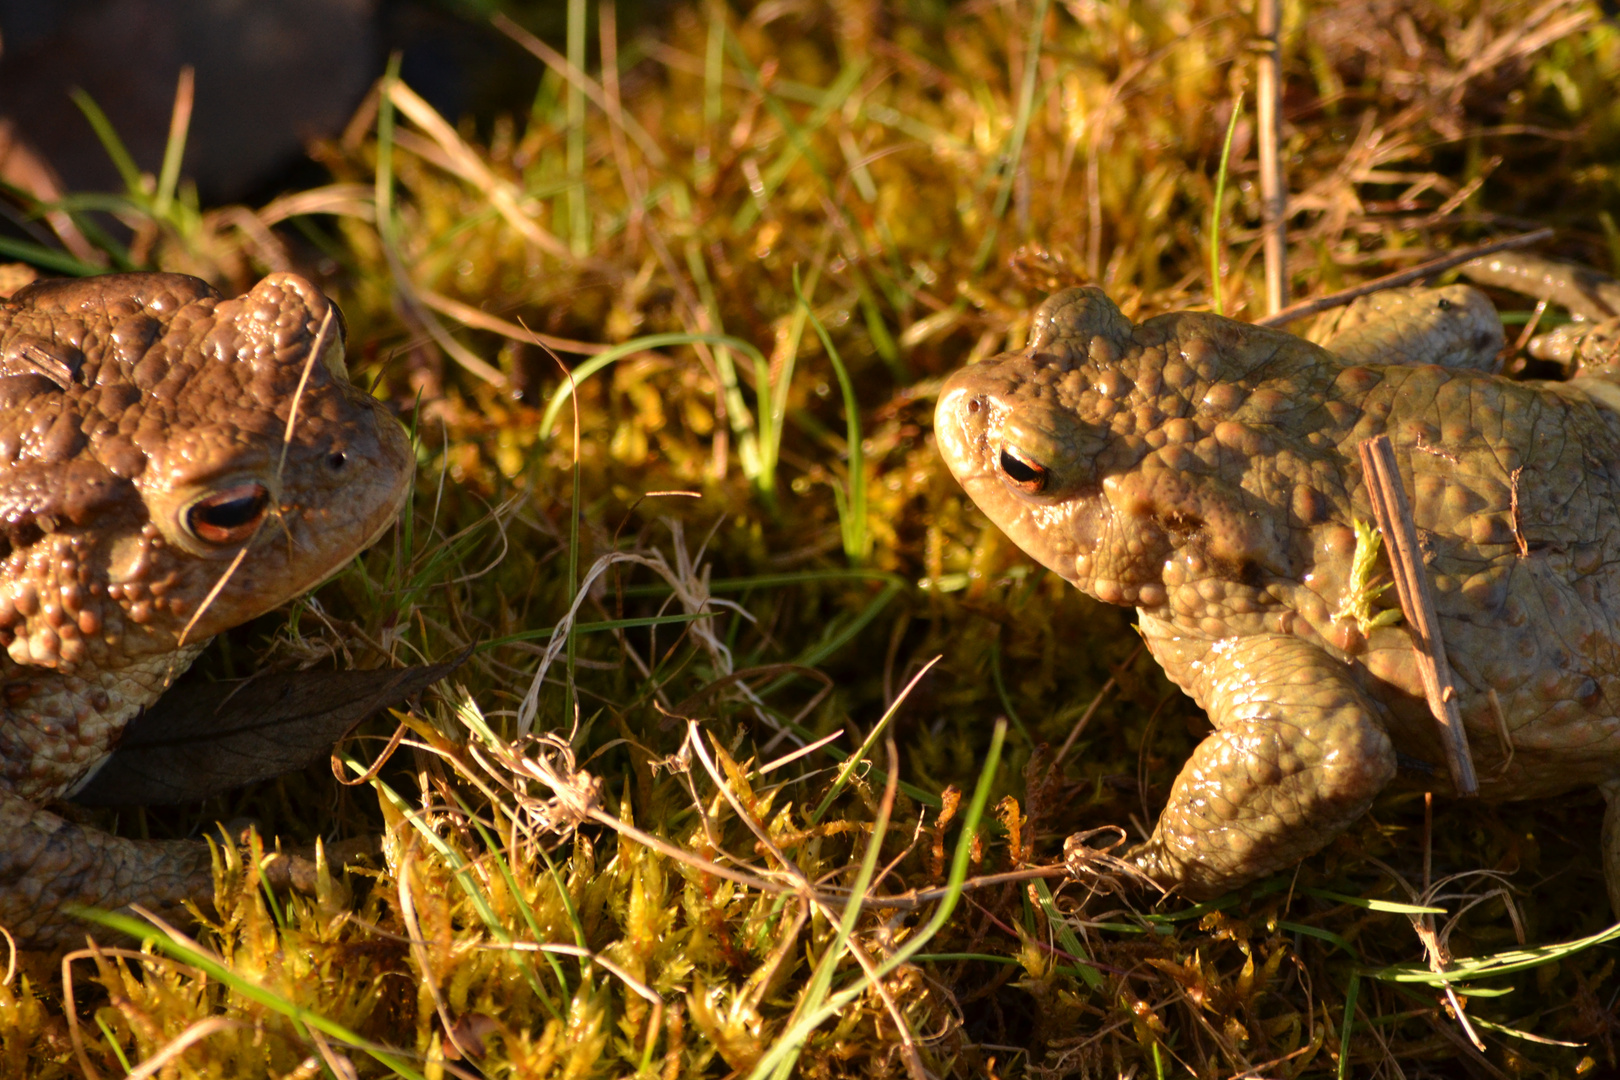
(655, 826)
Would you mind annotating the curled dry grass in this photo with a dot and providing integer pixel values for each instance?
(649, 829)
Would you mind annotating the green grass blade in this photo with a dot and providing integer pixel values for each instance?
(387, 226)
(174, 148)
(1502, 963)
(865, 748)
(46, 258)
(1215, 214)
(815, 994)
(1067, 937)
(579, 221)
(597, 627)
(117, 152)
(1015, 147)
(1350, 995)
(548, 419)
(857, 544)
(792, 1040)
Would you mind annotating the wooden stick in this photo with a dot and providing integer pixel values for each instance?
(1404, 277)
(1273, 184)
(1394, 514)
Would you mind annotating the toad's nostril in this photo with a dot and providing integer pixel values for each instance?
(973, 405)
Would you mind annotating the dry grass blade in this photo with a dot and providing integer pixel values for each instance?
(559, 63)
(467, 315)
(347, 200)
(1405, 277)
(1382, 476)
(466, 163)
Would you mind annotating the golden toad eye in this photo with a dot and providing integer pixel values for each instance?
(1025, 475)
(229, 516)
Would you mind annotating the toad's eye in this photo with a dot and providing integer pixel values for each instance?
(229, 516)
(1025, 475)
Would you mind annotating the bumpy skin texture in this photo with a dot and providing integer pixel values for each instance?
(1205, 471)
(145, 446)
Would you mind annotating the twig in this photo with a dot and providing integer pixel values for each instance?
(1394, 514)
(916, 899)
(1273, 185)
(1405, 277)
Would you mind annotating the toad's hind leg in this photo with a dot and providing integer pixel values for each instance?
(48, 865)
(1296, 756)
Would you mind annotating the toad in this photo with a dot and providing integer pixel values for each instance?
(172, 464)
(1205, 472)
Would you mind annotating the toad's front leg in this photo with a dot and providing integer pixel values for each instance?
(1297, 754)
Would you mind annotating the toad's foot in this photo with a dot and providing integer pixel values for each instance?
(48, 864)
(1296, 756)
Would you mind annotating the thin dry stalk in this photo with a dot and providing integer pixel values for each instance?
(1394, 514)
(1273, 184)
(1405, 277)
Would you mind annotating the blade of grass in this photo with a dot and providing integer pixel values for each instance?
(770, 448)
(383, 193)
(1215, 215)
(548, 419)
(798, 147)
(852, 512)
(771, 581)
(579, 223)
(815, 993)
(1502, 963)
(46, 258)
(1015, 143)
(1067, 937)
(175, 148)
(742, 421)
(789, 1044)
(1350, 995)
(117, 152)
(596, 627)
(859, 755)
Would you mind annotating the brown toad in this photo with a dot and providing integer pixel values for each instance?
(171, 464)
(1205, 471)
